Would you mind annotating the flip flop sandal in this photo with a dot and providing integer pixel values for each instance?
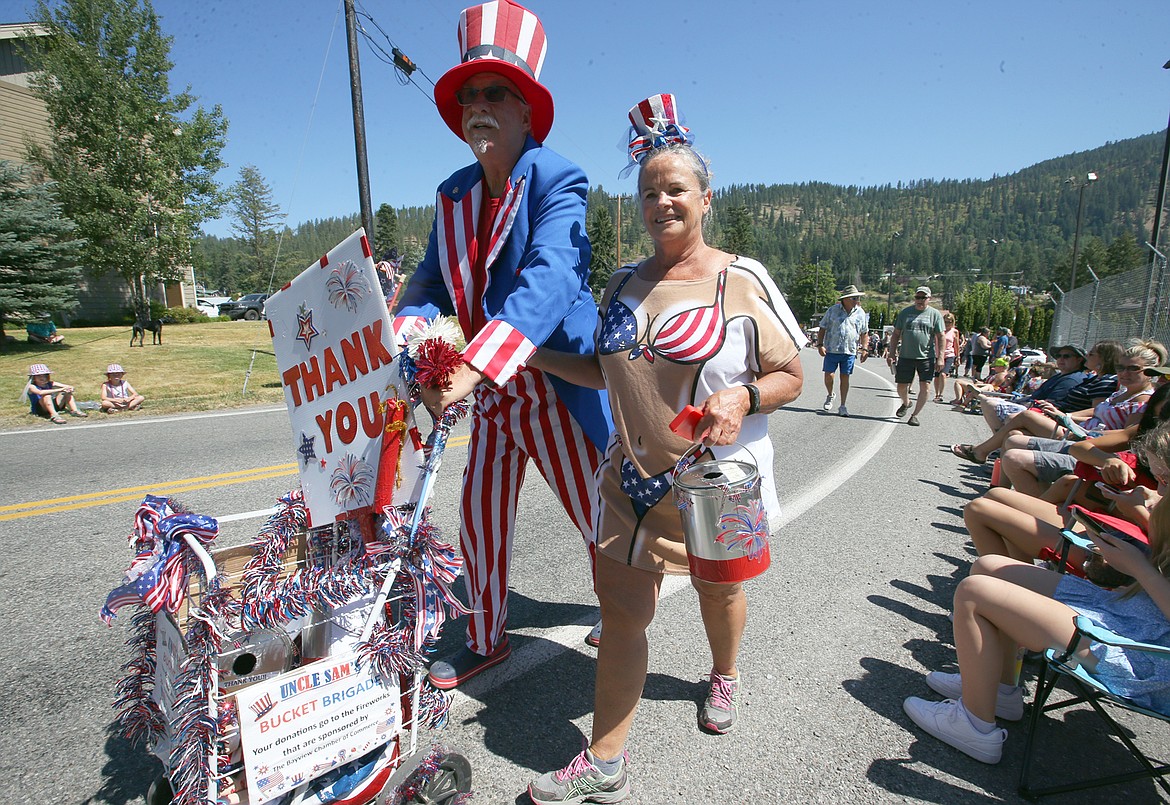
(965, 451)
(80, 414)
(57, 420)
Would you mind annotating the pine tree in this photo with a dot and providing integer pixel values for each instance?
(134, 164)
(255, 218)
(738, 235)
(38, 251)
(603, 240)
(385, 231)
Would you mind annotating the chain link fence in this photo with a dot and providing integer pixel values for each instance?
(1135, 303)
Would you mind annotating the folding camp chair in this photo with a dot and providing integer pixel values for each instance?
(1089, 690)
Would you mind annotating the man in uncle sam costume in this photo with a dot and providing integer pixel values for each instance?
(508, 256)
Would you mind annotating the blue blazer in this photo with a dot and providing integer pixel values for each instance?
(537, 290)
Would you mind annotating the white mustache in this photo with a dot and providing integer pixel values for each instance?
(483, 119)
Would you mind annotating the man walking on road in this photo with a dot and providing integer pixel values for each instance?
(842, 336)
(915, 329)
(508, 256)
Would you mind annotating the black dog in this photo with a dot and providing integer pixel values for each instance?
(140, 328)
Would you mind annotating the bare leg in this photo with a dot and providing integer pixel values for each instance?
(828, 382)
(923, 393)
(996, 528)
(724, 611)
(628, 598)
(904, 393)
(136, 402)
(1041, 509)
(1025, 421)
(844, 387)
(1020, 468)
(1001, 606)
(940, 385)
(987, 408)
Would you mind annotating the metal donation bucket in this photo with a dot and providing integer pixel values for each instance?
(724, 522)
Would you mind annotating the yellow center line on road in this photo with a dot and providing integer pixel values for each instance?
(72, 503)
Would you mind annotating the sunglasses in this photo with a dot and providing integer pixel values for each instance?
(1069, 355)
(493, 94)
(921, 296)
(1132, 368)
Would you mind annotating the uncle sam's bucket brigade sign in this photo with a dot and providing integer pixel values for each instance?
(335, 354)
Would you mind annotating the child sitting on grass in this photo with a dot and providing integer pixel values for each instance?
(117, 393)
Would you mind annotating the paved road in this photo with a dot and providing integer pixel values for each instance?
(841, 629)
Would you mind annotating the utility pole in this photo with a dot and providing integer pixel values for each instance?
(619, 232)
(991, 279)
(359, 121)
(1161, 199)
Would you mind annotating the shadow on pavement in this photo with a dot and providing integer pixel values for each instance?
(127, 773)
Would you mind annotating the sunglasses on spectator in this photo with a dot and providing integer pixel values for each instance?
(1069, 355)
(921, 296)
(493, 94)
(1132, 368)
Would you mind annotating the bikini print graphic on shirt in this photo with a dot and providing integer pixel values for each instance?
(689, 337)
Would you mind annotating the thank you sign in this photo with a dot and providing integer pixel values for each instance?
(334, 352)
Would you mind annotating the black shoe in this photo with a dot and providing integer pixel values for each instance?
(902, 409)
(464, 664)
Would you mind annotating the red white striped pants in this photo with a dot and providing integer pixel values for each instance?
(521, 420)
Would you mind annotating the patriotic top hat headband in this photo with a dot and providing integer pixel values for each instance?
(655, 123)
(499, 37)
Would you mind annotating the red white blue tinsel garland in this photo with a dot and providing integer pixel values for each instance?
(138, 715)
(195, 747)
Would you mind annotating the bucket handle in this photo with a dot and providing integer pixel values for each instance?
(688, 457)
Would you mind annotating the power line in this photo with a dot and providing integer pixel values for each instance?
(403, 66)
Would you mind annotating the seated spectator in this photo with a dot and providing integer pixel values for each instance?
(43, 331)
(47, 397)
(1036, 376)
(1032, 463)
(1098, 383)
(117, 393)
(1070, 381)
(999, 380)
(1005, 604)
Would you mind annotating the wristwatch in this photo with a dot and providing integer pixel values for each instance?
(754, 399)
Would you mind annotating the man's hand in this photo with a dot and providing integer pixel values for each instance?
(821, 350)
(463, 382)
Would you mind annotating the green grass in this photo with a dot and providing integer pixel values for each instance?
(199, 367)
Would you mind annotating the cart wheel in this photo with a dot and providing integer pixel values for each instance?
(160, 792)
(452, 779)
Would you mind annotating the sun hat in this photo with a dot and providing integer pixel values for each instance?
(850, 290)
(115, 368)
(499, 37)
(1156, 371)
(923, 289)
(38, 369)
(1072, 347)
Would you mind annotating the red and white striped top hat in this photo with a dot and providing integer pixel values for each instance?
(499, 37)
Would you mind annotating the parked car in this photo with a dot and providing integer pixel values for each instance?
(249, 306)
(209, 305)
(1032, 355)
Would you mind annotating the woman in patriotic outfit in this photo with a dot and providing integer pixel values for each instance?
(690, 325)
(508, 256)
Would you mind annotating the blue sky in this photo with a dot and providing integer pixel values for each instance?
(841, 91)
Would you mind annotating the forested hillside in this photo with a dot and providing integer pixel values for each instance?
(943, 230)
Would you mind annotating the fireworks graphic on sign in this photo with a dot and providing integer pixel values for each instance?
(352, 481)
(745, 529)
(307, 451)
(347, 286)
(305, 328)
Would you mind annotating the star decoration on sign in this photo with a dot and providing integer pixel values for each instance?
(307, 451)
(305, 328)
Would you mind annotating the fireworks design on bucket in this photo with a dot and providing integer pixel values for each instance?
(745, 529)
(352, 481)
(347, 286)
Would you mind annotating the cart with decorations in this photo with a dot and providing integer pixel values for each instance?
(291, 670)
